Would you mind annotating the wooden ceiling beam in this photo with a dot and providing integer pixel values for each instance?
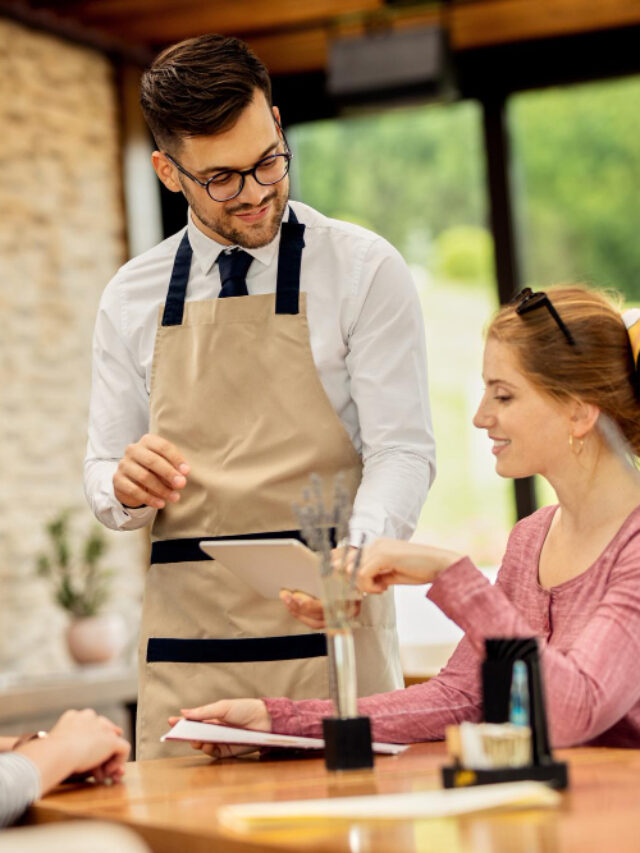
(168, 20)
(300, 29)
(493, 22)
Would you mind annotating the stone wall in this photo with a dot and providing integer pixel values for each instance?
(61, 239)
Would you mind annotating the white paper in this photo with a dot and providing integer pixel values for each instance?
(412, 806)
(212, 733)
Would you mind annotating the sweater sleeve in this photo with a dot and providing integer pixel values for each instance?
(417, 713)
(19, 786)
(589, 686)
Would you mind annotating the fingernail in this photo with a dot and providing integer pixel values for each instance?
(174, 497)
(159, 504)
(184, 468)
(178, 481)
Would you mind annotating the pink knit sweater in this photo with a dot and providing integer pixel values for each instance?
(589, 630)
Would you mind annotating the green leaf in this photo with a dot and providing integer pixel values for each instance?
(80, 585)
(43, 565)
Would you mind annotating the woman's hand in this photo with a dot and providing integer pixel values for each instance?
(391, 561)
(242, 713)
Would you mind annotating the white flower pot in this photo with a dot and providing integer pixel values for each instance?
(96, 639)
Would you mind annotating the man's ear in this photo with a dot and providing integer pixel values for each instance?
(276, 115)
(583, 417)
(166, 171)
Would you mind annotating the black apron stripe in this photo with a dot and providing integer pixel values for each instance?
(243, 649)
(189, 550)
(174, 306)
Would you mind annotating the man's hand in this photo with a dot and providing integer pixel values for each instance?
(308, 609)
(243, 713)
(80, 742)
(151, 472)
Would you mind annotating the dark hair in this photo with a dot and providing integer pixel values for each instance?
(599, 369)
(199, 87)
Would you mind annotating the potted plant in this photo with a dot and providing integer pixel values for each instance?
(81, 587)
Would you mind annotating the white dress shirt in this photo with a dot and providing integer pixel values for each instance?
(367, 340)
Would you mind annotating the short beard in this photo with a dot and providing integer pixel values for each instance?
(235, 235)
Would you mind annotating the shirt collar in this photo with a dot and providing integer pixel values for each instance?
(206, 250)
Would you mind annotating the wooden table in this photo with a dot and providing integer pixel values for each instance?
(172, 803)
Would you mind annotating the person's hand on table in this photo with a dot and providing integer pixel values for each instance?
(151, 472)
(242, 713)
(81, 742)
(392, 561)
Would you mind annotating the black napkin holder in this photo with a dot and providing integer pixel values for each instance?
(497, 670)
(347, 743)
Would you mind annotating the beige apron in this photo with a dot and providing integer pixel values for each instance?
(235, 387)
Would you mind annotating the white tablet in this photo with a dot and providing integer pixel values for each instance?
(269, 565)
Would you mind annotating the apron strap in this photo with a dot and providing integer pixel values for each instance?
(288, 282)
(174, 305)
(289, 261)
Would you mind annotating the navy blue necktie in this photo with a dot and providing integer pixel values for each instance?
(233, 272)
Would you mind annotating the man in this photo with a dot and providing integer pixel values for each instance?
(223, 378)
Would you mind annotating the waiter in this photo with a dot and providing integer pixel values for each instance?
(262, 343)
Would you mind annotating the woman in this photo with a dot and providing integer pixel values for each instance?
(561, 400)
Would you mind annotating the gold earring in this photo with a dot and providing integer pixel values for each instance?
(576, 444)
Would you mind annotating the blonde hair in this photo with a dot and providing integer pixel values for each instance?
(599, 369)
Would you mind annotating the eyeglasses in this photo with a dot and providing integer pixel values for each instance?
(228, 184)
(527, 300)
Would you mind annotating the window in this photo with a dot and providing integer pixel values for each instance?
(577, 170)
(576, 162)
(416, 176)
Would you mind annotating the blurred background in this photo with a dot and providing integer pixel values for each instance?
(496, 143)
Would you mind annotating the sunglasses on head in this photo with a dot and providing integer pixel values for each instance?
(528, 300)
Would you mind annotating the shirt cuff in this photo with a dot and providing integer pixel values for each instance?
(131, 518)
(358, 537)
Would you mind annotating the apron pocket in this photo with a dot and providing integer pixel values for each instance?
(169, 686)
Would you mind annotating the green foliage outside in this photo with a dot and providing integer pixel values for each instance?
(413, 174)
(577, 170)
(407, 174)
(465, 253)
